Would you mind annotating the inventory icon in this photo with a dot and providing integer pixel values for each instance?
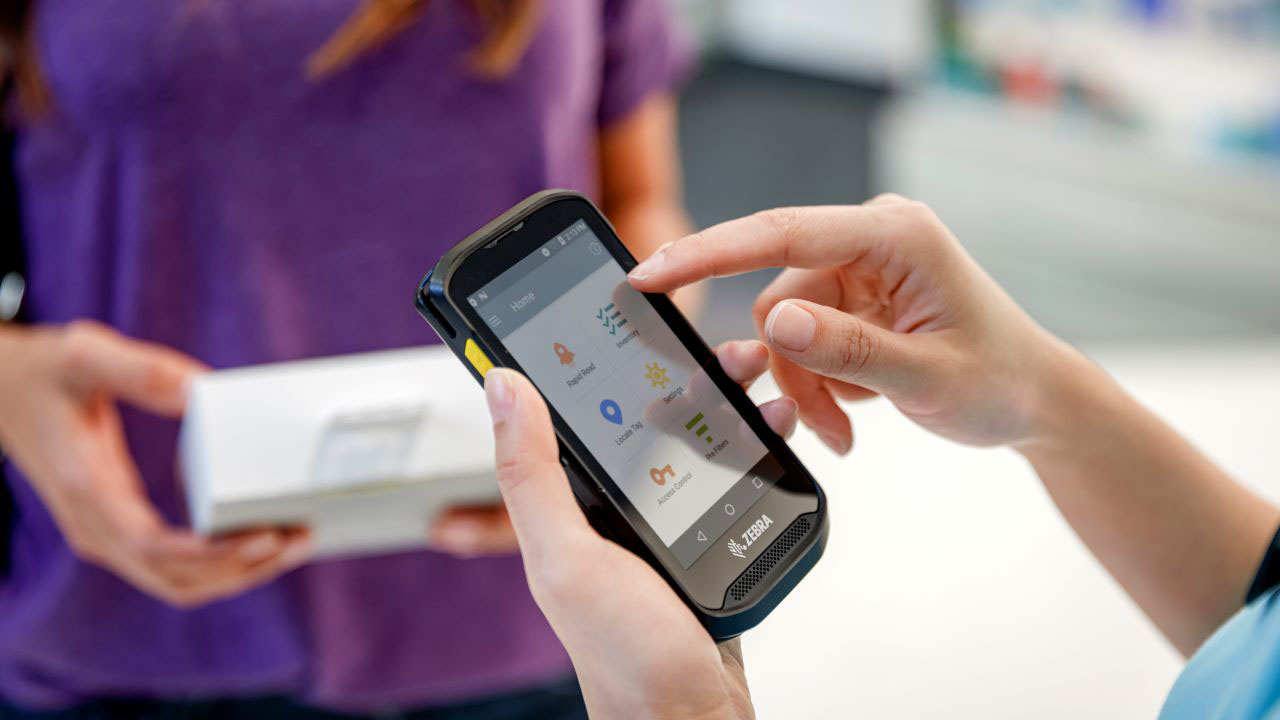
(610, 318)
(701, 430)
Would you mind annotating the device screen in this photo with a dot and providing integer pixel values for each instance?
(630, 390)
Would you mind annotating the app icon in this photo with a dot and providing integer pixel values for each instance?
(611, 412)
(562, 352)
(656, 375)
(610, 318)
(701, 430)
(660, 475)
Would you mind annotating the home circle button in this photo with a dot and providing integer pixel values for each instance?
(729, 509)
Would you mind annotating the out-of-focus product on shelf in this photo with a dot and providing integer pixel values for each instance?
(1194, 76)
(1105, 236)
(364, 449)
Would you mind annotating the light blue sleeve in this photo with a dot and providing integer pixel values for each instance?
(1235, 675)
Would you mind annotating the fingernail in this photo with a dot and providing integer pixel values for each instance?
(260, 548)
(790, 326)
(782, 413)
(792, 407)
(834, 442)
(646, 269)
(499, 394)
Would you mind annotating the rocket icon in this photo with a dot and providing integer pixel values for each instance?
(562, 352)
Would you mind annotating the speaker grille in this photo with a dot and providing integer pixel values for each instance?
(768, 559)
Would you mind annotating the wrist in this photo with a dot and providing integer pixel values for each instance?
(609, 700)
(17, 343)
(26, 350)
(1070, 396)
(14, 340)
(14, 348)
(727, 712)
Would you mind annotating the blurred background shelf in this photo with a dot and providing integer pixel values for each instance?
(1115, 164)
(1097, 232)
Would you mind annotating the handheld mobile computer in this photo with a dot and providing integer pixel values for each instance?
(666, 454)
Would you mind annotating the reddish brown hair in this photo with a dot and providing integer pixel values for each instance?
(19, 62)
(510, 24)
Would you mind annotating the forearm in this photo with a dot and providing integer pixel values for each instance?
(640, 176)
(640, 184)
(9, 334)
(1175, 531)
(608, 703)
(647, 223)
(607, 711)
(15, 354)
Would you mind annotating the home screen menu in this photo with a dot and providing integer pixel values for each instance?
(629, 389)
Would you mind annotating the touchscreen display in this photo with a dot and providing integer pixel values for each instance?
(603, 357)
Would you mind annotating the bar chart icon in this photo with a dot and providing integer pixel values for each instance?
(701, 428)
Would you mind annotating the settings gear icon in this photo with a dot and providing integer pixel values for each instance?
(656, 375)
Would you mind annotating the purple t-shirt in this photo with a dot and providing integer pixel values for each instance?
(195, 189)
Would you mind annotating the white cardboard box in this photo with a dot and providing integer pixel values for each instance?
(364, 449)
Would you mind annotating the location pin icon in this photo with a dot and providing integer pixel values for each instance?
(611, 412)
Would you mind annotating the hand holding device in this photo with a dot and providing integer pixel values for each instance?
(659, 662)
(59, 423)
(880, 298)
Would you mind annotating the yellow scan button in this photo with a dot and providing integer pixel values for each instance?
(479, 360)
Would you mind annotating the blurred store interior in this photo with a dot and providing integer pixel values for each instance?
(1115, 164)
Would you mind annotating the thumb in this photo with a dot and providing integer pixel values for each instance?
(534, 487)
(838, 345)
(150, 376)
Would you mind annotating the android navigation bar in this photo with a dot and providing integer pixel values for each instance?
(723, 514)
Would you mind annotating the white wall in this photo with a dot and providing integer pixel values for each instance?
(857, 39)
